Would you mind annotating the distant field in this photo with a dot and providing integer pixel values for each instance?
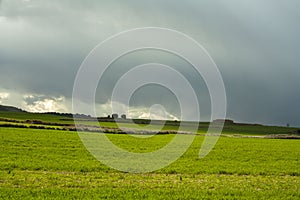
(244, 129)
(47, 164)
(32, 116)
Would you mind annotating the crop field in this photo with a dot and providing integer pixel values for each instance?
(54, 164)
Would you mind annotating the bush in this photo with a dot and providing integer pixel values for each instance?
(13, 126)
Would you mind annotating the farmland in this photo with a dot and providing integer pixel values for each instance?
(54, 164)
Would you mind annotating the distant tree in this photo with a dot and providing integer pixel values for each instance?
(115, 116)
(123, 116)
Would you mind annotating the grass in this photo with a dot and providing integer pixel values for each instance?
(27, 185)
(48, 164)
(54, 164)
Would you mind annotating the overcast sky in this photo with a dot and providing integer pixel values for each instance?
(254, 43)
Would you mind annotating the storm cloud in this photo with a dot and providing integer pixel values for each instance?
(254, 43)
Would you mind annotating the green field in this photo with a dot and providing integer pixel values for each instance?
(54, 164)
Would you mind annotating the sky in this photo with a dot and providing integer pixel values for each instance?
(254, 43)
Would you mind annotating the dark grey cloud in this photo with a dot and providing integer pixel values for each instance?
(254, 43)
